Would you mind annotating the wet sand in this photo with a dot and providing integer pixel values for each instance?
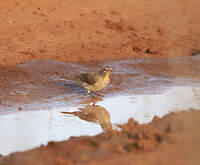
(41, 80)
(152, 47)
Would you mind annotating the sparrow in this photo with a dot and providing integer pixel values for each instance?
(93, 82)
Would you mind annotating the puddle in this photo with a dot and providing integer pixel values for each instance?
(28, 129)
(140, 88)
(25, 130)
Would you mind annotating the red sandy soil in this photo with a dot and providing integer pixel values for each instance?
(172, 140)
(92, 30)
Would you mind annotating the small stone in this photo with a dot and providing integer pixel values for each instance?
(148, 51)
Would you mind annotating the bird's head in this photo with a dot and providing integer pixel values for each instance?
(106, 70)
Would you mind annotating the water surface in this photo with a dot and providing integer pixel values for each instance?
(28, 129)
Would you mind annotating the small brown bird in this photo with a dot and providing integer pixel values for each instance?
(94, 82)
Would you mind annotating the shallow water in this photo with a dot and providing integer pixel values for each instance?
(139, 88)
(27, 129)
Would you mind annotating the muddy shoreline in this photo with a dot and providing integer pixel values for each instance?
(160, 142)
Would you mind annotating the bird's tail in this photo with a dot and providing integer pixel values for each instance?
(77, 80)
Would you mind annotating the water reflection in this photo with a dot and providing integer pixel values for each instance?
(28, 129)
(93, 113)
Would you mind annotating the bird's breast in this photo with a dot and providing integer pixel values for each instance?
(100, 84)
(107, 79)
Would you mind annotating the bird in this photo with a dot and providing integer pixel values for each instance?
(93, 82)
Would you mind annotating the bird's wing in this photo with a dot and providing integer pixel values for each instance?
(90, 79)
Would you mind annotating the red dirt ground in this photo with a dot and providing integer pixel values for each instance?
(92, 30)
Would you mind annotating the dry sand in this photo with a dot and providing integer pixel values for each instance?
(92, 30)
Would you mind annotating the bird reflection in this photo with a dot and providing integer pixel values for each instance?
(93, 113)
